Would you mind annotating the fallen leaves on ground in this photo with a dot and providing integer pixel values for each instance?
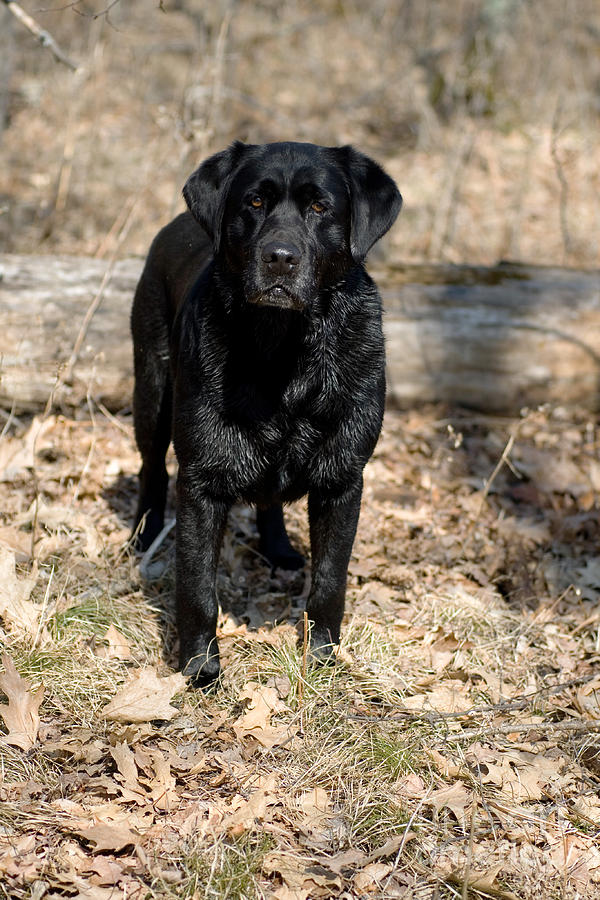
(454, 743)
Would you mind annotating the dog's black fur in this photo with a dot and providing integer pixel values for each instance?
(258, 347)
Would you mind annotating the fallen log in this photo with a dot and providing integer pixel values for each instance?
(495, 339)
(43, 305)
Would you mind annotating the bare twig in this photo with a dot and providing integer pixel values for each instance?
(158, 540)
(503, 459)
(467, 874)
(564, 186)
(74, 7)
(474, 711)
(43, 36)
(68, 371)
(440, 230)
(576, 725)
(92, 446)
(304, 658)
(42, 616)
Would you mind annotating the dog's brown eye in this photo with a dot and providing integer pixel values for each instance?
(317, 207)
(256, 202)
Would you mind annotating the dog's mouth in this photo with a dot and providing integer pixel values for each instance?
(276, 296)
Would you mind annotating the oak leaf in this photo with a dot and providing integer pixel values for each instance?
(256, 722)
(588, 698)
(117, 645)
(370, 879)
(145, 697)
(109, 836)
(454, 797)
(16, 610)
(247, 813)
(21, 713)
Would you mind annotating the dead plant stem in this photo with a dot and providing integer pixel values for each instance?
(575, 725)
(43, 36)
(304, 658)
(68, 371)
(474, 711)
(562, 180)
(467, 873)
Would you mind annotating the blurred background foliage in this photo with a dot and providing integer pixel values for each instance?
(487, 113)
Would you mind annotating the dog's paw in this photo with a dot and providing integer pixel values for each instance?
(321, 647)
(151, 527)
(201, 663)
(288, 559)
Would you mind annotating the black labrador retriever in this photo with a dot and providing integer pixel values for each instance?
(258, 347)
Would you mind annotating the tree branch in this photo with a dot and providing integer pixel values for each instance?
(44, 37)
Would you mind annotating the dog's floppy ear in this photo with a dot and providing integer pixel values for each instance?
(375, 201)
(205, 191)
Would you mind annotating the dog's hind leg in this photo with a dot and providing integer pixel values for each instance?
(274, 542)
(152, 411)
(333, 524)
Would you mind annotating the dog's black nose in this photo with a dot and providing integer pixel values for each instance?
(281, 258)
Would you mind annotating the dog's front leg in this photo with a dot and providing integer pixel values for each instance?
(200, 525)
(333, 524)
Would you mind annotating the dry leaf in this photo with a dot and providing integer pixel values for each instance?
(486, 881)
(588, 699)
(348, 859)
(314, 803)
(528, 529)
(412, 786)
(108, 871)
(284, 892)
(94, 892)
(370, 879)
(109, 836)
(162, 785)
(16, 610)
(118, 645)
(588, 808)
(455, 797)
(247, 813)
(21, 714)
(17, 453)
(125, 760)
(255, 723)
(60, 518)
(316, 807)
(452, 697)
(145, 697)
(321, 882)
(288, 866)
(579, 856)
(552, 475)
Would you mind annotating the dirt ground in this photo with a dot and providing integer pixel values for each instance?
(452, 751)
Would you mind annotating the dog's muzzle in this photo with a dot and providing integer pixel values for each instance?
(279, 269)
(277, 296)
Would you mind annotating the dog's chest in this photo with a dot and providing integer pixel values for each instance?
(260, 447)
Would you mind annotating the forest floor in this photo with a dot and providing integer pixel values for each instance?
(452, 751)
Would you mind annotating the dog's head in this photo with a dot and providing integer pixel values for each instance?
(289, 219)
